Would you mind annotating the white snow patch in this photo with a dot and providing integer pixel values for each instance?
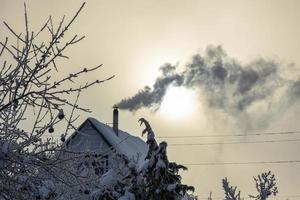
(46, 189)
(171, 187)
(44, 192)
(160, 164)
(127, 196)
(109, 179)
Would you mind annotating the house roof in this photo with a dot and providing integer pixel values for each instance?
(124, 143)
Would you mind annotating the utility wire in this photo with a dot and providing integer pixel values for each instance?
(245, 163)
(273, 197)
(233, 135)
(215, 135)
(236, 142)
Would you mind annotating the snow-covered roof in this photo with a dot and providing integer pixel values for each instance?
(124, 143)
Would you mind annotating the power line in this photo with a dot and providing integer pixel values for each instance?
(216, 135)
(233, 135)
(244, 163)
(273, 197)
(237, 142)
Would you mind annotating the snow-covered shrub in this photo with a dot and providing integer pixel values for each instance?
(265, 186)
(230, 191)
(160, 177)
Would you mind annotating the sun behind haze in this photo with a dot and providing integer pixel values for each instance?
(179, 104)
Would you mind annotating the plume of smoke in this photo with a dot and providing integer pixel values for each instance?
(148, 97)
(225, 85)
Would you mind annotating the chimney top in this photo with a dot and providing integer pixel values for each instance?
(115, 106)
(116, 120)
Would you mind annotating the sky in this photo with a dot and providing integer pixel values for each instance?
(256, 41)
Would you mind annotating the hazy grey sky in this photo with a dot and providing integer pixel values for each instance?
(134, 38)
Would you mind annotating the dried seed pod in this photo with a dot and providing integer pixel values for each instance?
(61, 114)
(51, 129)
(15, 104)
(62, 138)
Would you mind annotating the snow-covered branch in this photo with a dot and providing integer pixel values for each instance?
(32, 102)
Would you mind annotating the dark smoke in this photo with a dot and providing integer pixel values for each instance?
(224, 83)
(148, 97)
(227, 84)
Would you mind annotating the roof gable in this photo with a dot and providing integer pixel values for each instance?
(124, 143)
(87, 139)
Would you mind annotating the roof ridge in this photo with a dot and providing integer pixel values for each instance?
(91, 119)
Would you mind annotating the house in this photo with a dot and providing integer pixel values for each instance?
(96, 137)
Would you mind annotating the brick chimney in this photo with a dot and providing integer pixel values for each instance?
(116, 120)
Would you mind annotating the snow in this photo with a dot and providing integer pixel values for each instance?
(145, 165)
(7, 146)
(22, 179)
(109, 179)
(130, 146)
(150, 135)
(160, 164)
(171, 187)
(127, 196)
(46, 189)
(44, 192)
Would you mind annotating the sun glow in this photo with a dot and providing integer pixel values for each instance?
(179, 103)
